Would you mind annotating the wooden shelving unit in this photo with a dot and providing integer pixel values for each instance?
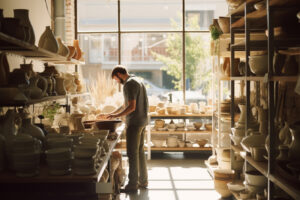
(15, 46)
(180, 132)
(181, 148)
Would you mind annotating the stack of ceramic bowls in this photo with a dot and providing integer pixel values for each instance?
(172, 141)
(76, 138)
(85, 158)
(24, 155)
(59, 161)
(2, 148)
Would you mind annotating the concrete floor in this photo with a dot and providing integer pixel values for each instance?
(176, 177)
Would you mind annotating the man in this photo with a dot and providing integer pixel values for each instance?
(135, 109)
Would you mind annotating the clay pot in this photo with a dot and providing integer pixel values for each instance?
(47, 41)
(29, 128)
(60, 86)
(72, 52)
(259, 64)
(12, 27)
(78, 50)
(23, 15)
(63, 50)
(4, 69)
(224, 23)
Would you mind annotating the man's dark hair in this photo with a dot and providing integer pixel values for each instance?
(118, 69)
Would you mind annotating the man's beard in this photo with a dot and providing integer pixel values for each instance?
(121, 80)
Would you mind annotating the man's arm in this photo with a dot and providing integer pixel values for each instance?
(117, 110)
(129, 109)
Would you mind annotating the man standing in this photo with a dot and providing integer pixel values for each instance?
(135, 109)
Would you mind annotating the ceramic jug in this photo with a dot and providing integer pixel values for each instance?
(29, 128)
(47, 41)
(63, 50)
(4, 69)
(285, 136)
(60, 86)
(294, 152)
(23, 15)
(35, 91)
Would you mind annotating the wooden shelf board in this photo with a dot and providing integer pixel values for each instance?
(179, 132)
(181, 116)
(18, 47)
(286, 186)
(262, 167)
(181, 148)
(262, 78)
(33, 101)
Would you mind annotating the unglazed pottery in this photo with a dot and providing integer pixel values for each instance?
(78, 50)
(259, 64)
(29, 128)
(47, 41)
(23, 15)
(63, 50)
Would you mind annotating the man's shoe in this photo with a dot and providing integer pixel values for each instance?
(129, 189)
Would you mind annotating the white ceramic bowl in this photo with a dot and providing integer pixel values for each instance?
(235, 187)
(255, 178)
(259, 64)
(254, 188)
(158, 142)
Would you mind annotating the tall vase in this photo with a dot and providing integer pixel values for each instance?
(294, 153)
(23, 15)
(47, 41)
(78, 50)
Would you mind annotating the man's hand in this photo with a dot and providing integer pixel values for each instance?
(102, 116)
(112, 116)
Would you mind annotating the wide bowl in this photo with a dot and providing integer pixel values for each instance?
(235, 187)
(259, 64)
(255, 178)
(224, 23)
(158, 142)
(197, 125)
(208, 127)
(159, 123)
(202, 142)
(110, 125)
(224, 174)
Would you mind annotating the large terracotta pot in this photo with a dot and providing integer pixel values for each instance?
(23, 15)
(294, 152)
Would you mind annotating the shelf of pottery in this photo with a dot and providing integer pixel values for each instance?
(17, 37)
(179, 128)
(264, 137)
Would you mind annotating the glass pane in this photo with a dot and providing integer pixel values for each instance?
(198, 67)
(200, 14)
(100, 53)
(97, 16)
(157, 58)
(139, 15)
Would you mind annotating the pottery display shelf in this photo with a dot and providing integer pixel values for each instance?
(44, 99)
(57, 186)
(15, 46)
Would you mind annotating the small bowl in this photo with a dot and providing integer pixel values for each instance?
(259, 64)
(235, 187)
(197, 125)
(202, 142)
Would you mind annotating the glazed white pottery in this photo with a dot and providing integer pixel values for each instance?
(235, 187)
(253, 141)
(255, 178)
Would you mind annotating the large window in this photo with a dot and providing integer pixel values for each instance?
(156, 40)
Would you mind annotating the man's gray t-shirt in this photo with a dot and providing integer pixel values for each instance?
(134, 89)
